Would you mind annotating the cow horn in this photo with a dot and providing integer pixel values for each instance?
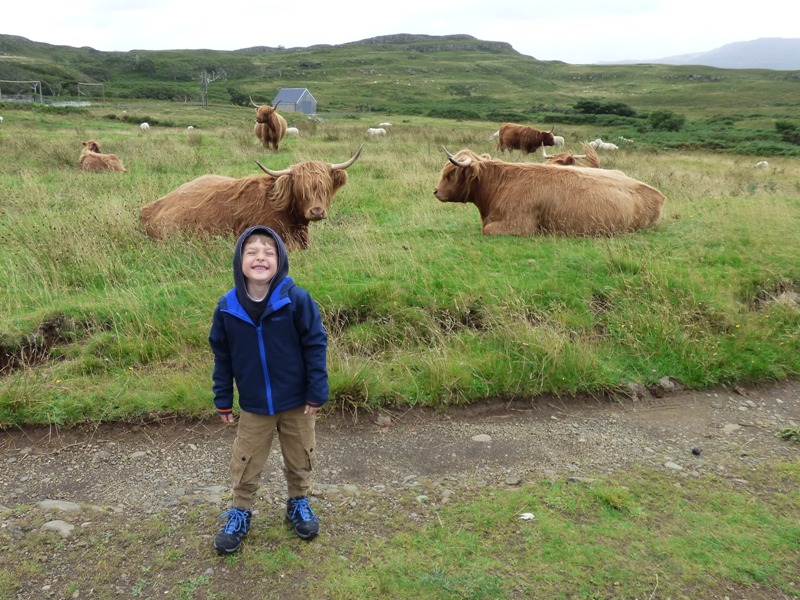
(274, 173)
(251, 101)
(464, 163)
(347, 163)
(552, 129)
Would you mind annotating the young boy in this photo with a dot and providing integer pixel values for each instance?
(267, 336)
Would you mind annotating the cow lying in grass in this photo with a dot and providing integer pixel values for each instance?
(93, 160)
(532, 199)
(286, 200)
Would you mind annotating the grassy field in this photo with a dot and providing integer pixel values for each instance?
(101, 323)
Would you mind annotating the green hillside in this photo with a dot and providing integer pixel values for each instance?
(457, 76)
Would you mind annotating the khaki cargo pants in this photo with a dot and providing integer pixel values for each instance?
(251, 448)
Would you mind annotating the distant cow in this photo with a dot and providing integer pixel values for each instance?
(588, 159)
(293, 131)
(270, 126)
(523, 138)
(376, 131)
(285, 200)
(532, 199)
(92, 160)
(145, 126)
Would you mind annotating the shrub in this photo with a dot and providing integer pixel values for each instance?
(666, 120)
(788, 132)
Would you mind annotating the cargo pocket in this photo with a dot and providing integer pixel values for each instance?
(308, 438)
(239, 463)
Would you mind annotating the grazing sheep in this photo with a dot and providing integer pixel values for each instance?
(559, 141)
(375, 131)
(145, 126)
(292, 131)
(762, 164)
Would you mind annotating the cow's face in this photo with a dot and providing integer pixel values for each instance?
(548, 139)
(452, 186)
(313, 186)
(459, 176)
(263, 113)
(91, 146)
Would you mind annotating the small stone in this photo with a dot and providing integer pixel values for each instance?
(482, 438)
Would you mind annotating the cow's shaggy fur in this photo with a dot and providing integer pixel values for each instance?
(93, 160)
(532, 199)
(589, 158)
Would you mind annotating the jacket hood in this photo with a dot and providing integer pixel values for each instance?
(238, 276)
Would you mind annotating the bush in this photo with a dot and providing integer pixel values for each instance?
(666, 120)
(592, 107)
(788, 132)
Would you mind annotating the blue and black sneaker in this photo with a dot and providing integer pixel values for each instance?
(299, 513)
(230, 538)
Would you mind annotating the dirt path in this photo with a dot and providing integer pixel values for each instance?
(150, 466)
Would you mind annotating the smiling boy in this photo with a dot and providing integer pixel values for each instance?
(268, 339)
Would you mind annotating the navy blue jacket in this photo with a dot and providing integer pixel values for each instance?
(277, 363)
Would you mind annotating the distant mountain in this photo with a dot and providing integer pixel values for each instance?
(780, 54)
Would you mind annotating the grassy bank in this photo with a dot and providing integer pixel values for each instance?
(99, 322)
(632, 537)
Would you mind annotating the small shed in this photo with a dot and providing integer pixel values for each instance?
(296, 100)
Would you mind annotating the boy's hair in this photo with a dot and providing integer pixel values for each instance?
(260, 237)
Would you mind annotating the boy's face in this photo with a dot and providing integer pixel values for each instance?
(259, 261)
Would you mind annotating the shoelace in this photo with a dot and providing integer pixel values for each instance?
(237, 520)
(302, 506)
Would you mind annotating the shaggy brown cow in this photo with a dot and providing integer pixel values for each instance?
(92, 160)
(531, 199)
(270, 126)
(570, 159)
(523, 138)
(285, 200)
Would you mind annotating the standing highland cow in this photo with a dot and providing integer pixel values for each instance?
(270, 126)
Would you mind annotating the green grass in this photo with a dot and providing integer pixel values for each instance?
(422, 309)
(634, 536)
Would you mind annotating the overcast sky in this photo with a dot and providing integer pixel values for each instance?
(573, 31)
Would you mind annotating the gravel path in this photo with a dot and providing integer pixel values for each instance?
(172, 464)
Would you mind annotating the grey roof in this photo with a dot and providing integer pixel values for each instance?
(291, 95)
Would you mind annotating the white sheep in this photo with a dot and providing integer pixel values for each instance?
(559, 141)
(376, 131)
(599, 144)
(292, 131)
(762, 164)
(385, 124)
(145, 126)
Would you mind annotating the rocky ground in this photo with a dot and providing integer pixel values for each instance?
(145, 467)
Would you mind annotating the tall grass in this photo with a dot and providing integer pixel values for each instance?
(99, 322)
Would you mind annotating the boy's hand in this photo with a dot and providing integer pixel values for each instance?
(311, 410)
(226, 418)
